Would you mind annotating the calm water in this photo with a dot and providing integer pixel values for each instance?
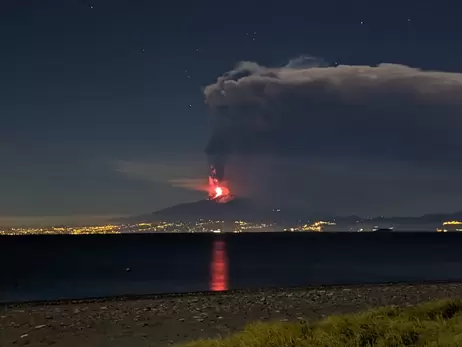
(53, 267)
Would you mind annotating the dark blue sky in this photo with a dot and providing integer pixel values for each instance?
(102, 104)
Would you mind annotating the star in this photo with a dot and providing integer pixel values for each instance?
(190, 106)
(91, 6)
(362, 22)
(409, 19)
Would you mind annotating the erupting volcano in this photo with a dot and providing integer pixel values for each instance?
(218, 191)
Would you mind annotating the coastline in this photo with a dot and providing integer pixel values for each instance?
(173, 295)
(163, 320)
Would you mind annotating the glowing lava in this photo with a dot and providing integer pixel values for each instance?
(218, 190)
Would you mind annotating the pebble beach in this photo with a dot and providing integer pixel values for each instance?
(172, 319)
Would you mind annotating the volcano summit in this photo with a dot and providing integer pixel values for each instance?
(215, 209)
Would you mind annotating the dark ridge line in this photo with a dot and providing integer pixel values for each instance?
(142, 297)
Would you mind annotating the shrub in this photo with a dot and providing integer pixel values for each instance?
(432, 324)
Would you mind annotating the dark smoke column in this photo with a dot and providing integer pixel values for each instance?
(217, 172)
(217, 151)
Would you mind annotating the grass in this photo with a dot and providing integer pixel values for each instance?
(434, 324)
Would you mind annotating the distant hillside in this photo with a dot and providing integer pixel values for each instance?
(241, 208)
(208, 209)
(426, 218)
(203, 209)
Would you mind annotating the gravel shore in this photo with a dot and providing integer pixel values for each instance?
(162, 321)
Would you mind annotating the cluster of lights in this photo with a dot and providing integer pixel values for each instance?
(452, 222)
(316, 226)
(199, 226)
(449, 223)
(240, 226)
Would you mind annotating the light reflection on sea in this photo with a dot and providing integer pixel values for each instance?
(219, 267)
(66, 266)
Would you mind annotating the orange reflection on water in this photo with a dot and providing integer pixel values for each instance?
(219, 267)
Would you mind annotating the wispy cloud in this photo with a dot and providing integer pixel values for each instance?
(178, 175)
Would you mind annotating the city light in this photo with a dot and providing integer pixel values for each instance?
(452, 222)
(198, 226)
(315, 227)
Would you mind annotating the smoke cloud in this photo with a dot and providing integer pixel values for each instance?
(307, 113)
(388, 110)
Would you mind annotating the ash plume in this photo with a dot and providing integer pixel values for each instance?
(333, 138)
(387, 110)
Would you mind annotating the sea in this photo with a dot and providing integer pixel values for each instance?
(55, 267)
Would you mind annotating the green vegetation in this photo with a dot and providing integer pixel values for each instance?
(431, 324)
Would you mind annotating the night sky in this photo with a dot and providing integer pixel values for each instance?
(103, 110)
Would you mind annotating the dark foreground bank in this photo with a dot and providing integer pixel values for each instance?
(164, 321)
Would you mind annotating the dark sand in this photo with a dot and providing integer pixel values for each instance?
(161, 321)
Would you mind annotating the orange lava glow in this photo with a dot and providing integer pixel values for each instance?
(219, 267)
(221, 191)
(217, 190)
